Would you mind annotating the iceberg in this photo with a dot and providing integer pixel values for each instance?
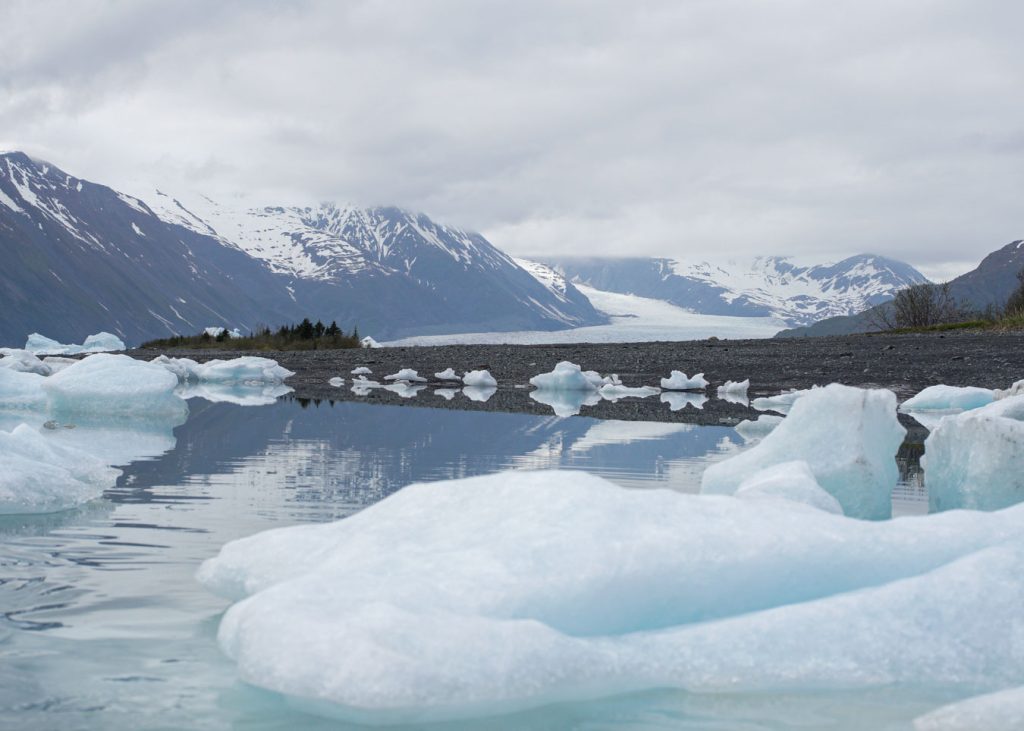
(612, 392)
(976, 459)
(781, 403)
(361, 371)
(24, 362)
(407, 375)
(479, 379)
(567, 376)
(102, 342)
(678, 400)
(999, 711)
(678, 381)
(448, 374)
(848, 436)
(791, 481)
(39, 476)
(426, 607)
(20, 390)
(734, 392)
(99, 343)
(247, 370)
(114, 385)
(946, 398)
(758, 428)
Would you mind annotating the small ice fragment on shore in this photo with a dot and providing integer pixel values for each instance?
(975, 459)
(945, 398)
(337, 382)
(567, 376)
(752, 430)
(678, 400)
(361, 371)
(781, 403)
(406, 375)
(1017, 389)
(611, 392)
(41, 476)
(791, 481)
(678, 381)
(999, 711)
(479, 393)
(448, 374)
(25, 362)
(848, 436)
(479, 379)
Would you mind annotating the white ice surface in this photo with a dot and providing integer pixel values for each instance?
(999, 711)
(19, 390)
(337, 382)
(678, 400)
(498, 593)
(246, 370)
(781, 403)
(1017, 389)
(610, 392)
(752, 430)
(944, 398)
(679, 381)
(734, 392)
(479, 379)
(362, 371)
(115, 386)
(566, 376)
(25, 362)
(448, 374)
(791, 481)
(408, 375)
(102, 342)
(848, 437)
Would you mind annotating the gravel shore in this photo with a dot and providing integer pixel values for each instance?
(903, 363)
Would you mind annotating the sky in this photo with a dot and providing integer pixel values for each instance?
(684, 128)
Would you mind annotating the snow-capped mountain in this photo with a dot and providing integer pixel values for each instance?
(81, 257)
(763, 287)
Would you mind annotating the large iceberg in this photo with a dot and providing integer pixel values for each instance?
(103, 342)
(41, 476)
(567, 376)
(114, 385)
(945, 398)
(499, 593)
(848, 436)
(678, 381)
(976, 459)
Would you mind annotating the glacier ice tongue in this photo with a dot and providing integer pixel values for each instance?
(945, 398)
(999, 711)
(678, 381)
(42, 476)
(976, 459)
(498, 593)
(479, 379)
(848, 436)
(115, 386)
(791, 481)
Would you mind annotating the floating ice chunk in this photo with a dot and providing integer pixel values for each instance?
(781, 403)
(944, 398)
(98, 343)
(369, 342)
(361, 371)
(615, 392)
(612, 380)
(1000, 711)
(337, 382)
(102, 342)
(185, 369)
(114, 385)
(848, 436)
(976, 459)
(678, 381)
(566, 403)
(241, 394)
(1017, 389)
(448, 374)
(20, 390)
(25, 362)
(479, 379)
(566, 376)
(247, 369)
(446, 393)
(479, 393)
(407, 375)
(734, 387)
(758, 428)
(791, 481)
(39, 476)
(425, 607)
(677, 400)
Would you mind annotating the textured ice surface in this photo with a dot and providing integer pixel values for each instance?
(114, 385)
(612, 392)
(791, 481)
(497, 593)
(848, 437)
(1017, 389)
(25, 362)
(58, 363)
(943, 398)
(41, 476)
(976, 459)
(369, 342)
(407, 375)
(781, 403)
(364, 371)
(248, 370)
(999, 711)
(678, 381)
(448, 374)
(567, 376)
(678, 400)
(19, 390)
(102, 342)
(752, 430)
(738, 388)
(479, 379)
(98, 343)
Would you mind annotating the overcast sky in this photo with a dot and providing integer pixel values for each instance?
(700, 128)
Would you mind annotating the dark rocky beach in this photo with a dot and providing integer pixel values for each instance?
(902, 363)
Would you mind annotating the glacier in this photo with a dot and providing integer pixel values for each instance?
(500, 593)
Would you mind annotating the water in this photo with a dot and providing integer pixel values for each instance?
(102, 625)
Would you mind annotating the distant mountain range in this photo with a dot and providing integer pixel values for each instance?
(80, 257)
(768, 286)
(990, 283)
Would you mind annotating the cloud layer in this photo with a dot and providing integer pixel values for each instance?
(699, 128)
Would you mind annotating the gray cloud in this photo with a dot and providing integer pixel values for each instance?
(702, 128)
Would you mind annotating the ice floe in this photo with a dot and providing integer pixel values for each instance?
(499, 593)
(976, 459)
(103, 342)
(947, 398)
(406, 375)
(247, 369)
(679, 381)
(567, 376)
(114, 385)
(848, 436)
(20, 390)
(734, 392)
(479, 379)
(1017, 389)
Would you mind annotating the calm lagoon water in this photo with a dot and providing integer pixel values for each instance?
(102, 625)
